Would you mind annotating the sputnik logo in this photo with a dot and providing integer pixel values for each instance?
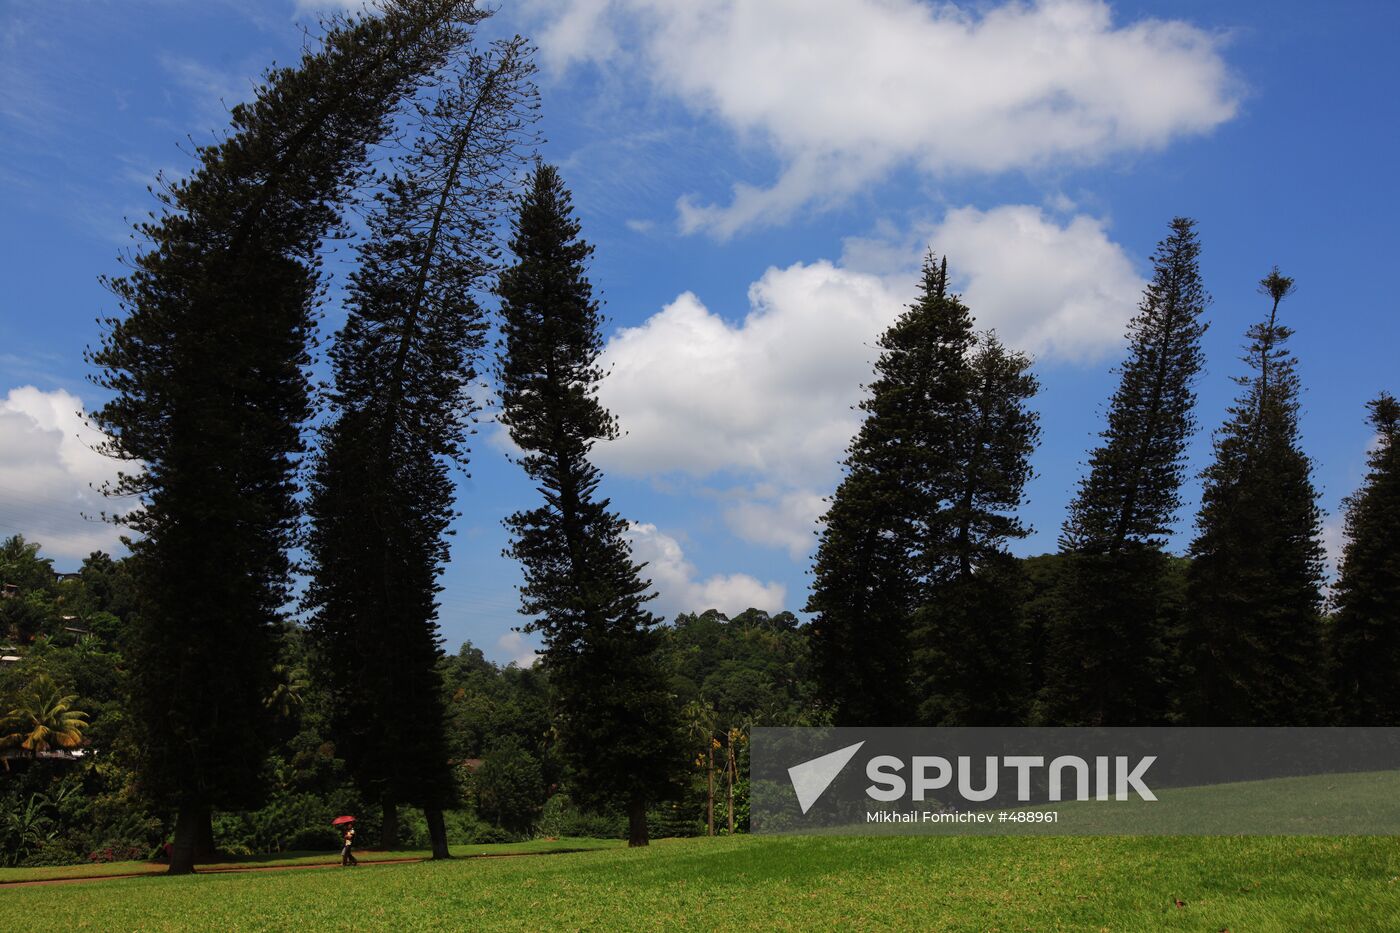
(811, 778)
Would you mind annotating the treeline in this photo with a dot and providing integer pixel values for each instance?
(72, 790)
(921, 616)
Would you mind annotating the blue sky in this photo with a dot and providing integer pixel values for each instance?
(760, 181)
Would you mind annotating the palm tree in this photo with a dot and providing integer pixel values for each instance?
(286, 696)
(43, 719)
(702, 721)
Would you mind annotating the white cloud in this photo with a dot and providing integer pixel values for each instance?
(516, 649)
(49, 471)
(1062, 291)
(678, 589)
(786, 520)
(845, 91)
(1059, 291)
(770, 398)
(572, 31)
(772, 395)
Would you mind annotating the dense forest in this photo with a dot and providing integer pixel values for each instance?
(268, 655)
(68, 801)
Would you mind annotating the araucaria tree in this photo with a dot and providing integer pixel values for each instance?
(969, 655)
(1365, 637)
(618, 730)
(1109, 656)
(382, 492)
(1252, 649)
(209, 393)
(877, 548)
(915, 534)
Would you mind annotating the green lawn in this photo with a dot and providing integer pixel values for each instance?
(944, 883)
(1315, 805)
(300, 858)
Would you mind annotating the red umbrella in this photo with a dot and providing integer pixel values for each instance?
(342, 819)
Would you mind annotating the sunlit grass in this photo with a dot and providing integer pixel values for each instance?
(794, 883)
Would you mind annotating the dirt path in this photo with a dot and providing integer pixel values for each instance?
(216, 869)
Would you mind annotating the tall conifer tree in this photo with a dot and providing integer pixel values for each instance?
(1365, 637)
(885, 536)
(969, 657)
(921, 520)
(382, 492)
(209, 390)
(1108, 660)
(618, 729)
(1252, 650)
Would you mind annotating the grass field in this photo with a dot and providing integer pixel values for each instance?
(280, 859)
(1316, 805)
(897, 883)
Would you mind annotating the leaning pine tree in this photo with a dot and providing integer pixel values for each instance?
(382, 493)
(1252, 650)
(618, 731)
(209, 392)
(882, 536)
(1109, 652)
(1365, 638)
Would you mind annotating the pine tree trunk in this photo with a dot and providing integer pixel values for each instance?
(437, 832)
(637, 822)
(187, 832)
(389, 826)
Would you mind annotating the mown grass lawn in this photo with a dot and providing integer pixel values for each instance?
(807, 883)
(278, 859)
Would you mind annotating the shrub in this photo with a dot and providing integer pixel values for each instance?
(314, 839)
(561, 817)
(509, 787)
(118, 853)
(52, 852)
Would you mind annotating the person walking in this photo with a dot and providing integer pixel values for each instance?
(347, 857)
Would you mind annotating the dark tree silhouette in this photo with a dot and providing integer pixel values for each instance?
(209, 393)
(1365, 638)
(884, 534)
(382, 492)
(932, 477)
(618, 727)
(970, 658)
(1108, 657)
(1252, 649)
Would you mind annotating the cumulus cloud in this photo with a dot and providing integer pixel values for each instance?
(50, 472)
(770, 397)
(677, 584)
(1064, 292)
(772, 394)
(575, 30)
(845, 91)
(786, 520)
(516, 649)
